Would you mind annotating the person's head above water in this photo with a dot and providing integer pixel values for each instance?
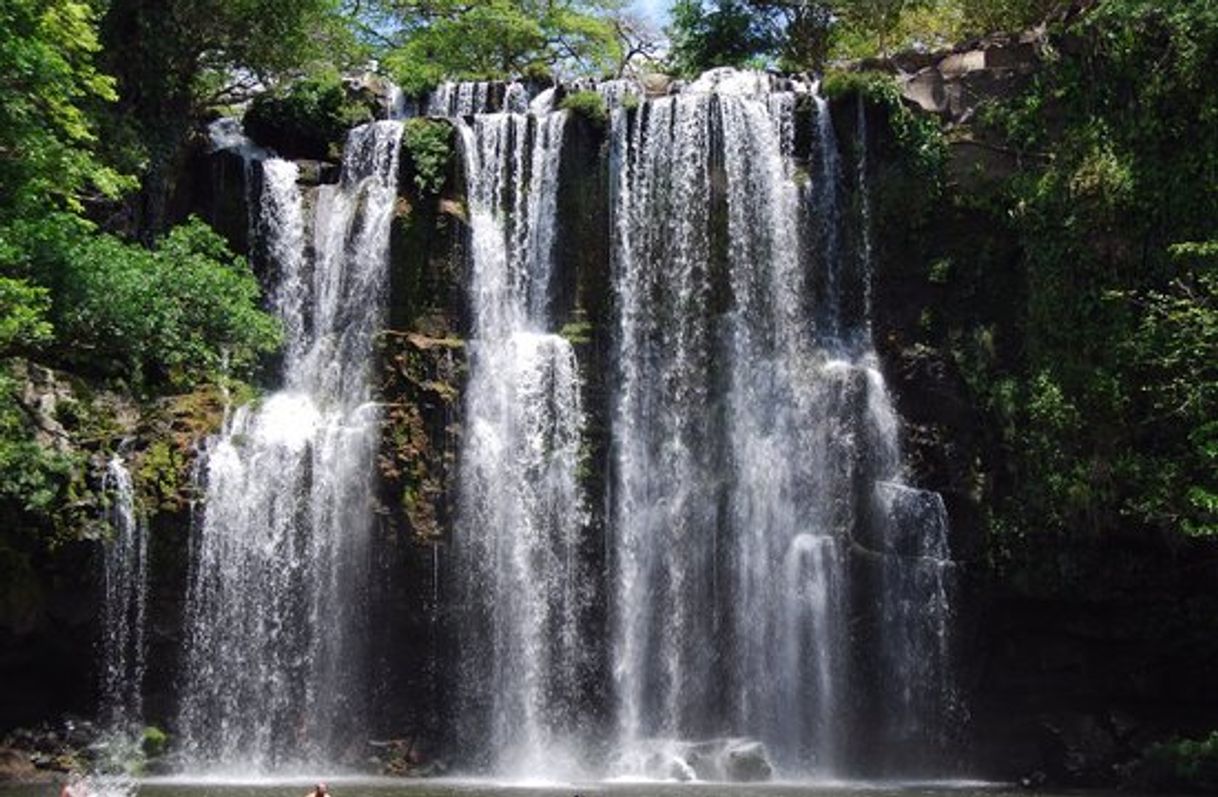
(321, 789)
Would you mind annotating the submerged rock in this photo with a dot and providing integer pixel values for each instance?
(747, 762)
(733, 760)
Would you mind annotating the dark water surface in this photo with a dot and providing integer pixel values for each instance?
(392, 787)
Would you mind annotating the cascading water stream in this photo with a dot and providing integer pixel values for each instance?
(125, 582)
(747, 432)
(521, 585)
(275, 653)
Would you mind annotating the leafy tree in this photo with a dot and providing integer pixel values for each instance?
(804, 30)
(724, 33)
(988, 16)
(878, 20)
(179, 313)
(48, 82)
(175, 59)
(1109, 420)
(436, 40)
(1175, 352)
(23, 312)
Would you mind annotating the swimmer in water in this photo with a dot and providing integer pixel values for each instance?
(319, 790)
(74, 786)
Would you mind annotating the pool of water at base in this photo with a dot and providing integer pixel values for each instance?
(397, 787)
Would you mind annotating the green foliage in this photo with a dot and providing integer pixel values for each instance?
(23, 311)
(987, 16)
(588, 104)
(878, 20)
(176, 60)
(173, 315)
(1181, 765)
(1175, 348)
(153, 741)
(307, 119)
(725, 33)
(497, 39)
(918, 136)
(160, 474)
(428, 142)
(578, 332)
(48, 80)
(1105, 391)
(36, 482)
(185, 310)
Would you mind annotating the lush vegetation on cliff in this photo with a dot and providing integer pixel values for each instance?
(1108, 408)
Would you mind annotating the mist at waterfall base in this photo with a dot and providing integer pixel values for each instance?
(755, 593)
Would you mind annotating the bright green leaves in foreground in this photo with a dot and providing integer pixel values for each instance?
(72, 296)
(48, 80)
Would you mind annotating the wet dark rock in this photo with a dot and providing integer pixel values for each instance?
(16, 765)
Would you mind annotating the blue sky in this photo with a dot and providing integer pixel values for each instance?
(656, 11)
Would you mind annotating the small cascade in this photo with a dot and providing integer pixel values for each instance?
(917, 581)
(125, 581)
(522, 586)
(451, 100)
(275, 652)
(826, 219)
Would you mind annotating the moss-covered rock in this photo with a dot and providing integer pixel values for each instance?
(307, 119)
(421, 386)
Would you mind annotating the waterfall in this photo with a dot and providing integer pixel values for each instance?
(125, 581)
(521, 585)
(750, 430)
(776, 598)
(665, 536)
(273, 672)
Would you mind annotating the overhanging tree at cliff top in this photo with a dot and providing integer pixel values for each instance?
(427, 41)
(175, 59)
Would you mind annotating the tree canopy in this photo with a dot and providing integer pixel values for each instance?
(804, 35)
(433, 40)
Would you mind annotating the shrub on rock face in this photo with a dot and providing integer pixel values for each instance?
(309, 119)
(428, 146)
(587, 104)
